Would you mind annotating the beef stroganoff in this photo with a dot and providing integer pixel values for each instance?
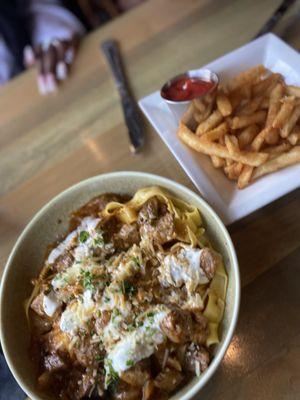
(127, 305)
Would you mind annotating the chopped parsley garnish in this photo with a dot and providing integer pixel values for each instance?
(99, 358)
(150, 314)
(136, 261)
(139, 324)
(83, 236)
(129, 363)
(128, 288)
(98, 242)
(87, 279)
(106, 299)
(112, 377)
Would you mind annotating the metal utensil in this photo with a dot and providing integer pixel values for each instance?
(130, 109)
(276, 16)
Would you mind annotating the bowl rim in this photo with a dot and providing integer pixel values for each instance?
(203, 379)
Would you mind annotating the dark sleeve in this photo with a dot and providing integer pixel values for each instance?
(14, 28)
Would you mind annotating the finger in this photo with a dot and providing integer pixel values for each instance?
(49, 61)
(28, 56)
(61, 70)
(41, 79)
(71, 49)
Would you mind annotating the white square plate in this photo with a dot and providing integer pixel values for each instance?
(231, 203)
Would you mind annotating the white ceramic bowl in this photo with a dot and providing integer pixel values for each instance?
(26, 258)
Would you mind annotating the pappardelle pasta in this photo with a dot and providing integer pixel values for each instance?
(128, 304)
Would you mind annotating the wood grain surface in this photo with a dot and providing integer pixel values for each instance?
(48, 144)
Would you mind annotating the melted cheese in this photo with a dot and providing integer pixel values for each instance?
(50, 303)
(183, 268)
(139, 344)
(87, 224)
(77, 314)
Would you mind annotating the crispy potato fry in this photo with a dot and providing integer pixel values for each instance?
(275, 104)
(246, 120)
(274, 151)
(250, 107)
(245, 176)
(217, 162)
(265, 86)
(248, 127)
(284, 160)
(211, 122)
(223, 104)
(211, 148)
(284, 113)
(290, 123)
(251, 75)
(294, 137)
(293, 90)
(188, 116)
(259, 139)
(216, 133)
(231, 143)
(247, 135)
(264, 105)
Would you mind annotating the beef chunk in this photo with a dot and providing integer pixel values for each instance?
(178, 326)
(196, 355)
(156, 222)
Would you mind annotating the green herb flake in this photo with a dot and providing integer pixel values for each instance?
(136, 261)
(87, 279)
(83, 236)
(99, 358)
(129, 363)
(128, 288)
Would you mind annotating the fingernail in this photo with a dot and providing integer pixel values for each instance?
(69, 56)
(61, 71)
(51, 83)
(42, 84)
(28, 54)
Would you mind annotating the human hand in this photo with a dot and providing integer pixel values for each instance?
(53, 62)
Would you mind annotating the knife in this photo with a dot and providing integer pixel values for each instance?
(132, 116)
(276, 16)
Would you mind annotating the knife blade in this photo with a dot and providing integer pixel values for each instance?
(130, 110)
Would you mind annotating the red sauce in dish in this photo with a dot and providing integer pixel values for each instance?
(186, 89)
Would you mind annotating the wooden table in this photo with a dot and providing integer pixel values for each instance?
(48, 144)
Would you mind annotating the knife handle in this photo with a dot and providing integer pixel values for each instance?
(111, 51)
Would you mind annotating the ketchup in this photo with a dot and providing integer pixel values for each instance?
(186, 88)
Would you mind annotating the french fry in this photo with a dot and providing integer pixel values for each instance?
(275, 104)
(215, 149)
(293, 90)
(264, 105)
(259, 139)
(223, 104)
(282, 161)
(290, 123)
(216, 133)
(265, 86)
(249, 128)
(275, 151)
(231, 143)
(284, 113)
(217, 162)
(251, 75)
(245, 176)
(188, 116)
(247, 135)
(211, 122)
(294, 137)
(246, 120)
(233, 170)
(250, 107)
